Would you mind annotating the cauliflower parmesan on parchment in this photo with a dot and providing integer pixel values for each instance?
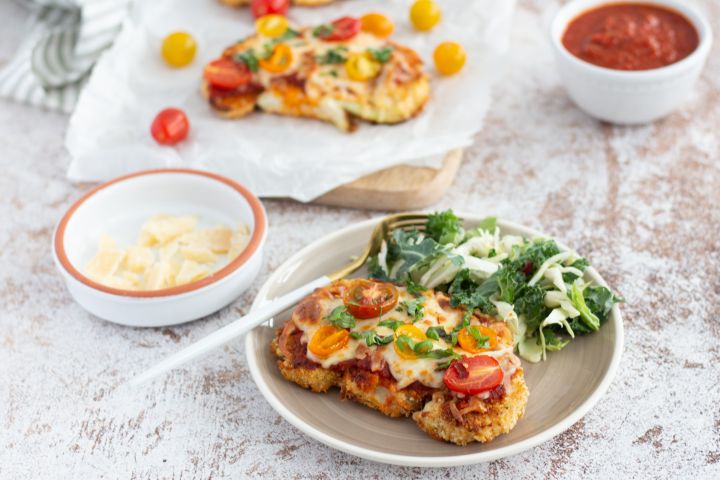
(332, 72)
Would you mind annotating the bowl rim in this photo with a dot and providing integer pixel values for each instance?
(256, 239)
(697, 19)
(442, 461)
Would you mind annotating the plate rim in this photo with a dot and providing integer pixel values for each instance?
(447, 460)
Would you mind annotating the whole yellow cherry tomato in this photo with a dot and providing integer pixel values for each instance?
(377, 24)
(178, 49)
(425, 14)
(449, 58)
(328, 339)
(272, 25)
(469, 344)
(414, 333)
(361, 67)
(279, 60)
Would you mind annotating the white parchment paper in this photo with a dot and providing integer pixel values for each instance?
(274, 156)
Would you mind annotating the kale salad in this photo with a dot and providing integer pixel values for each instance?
(534, 286)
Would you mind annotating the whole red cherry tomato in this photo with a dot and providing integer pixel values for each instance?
(260, 8)
(170, 126)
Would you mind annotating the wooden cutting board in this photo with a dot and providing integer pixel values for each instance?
(402, 187)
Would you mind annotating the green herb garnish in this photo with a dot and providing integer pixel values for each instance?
(481, 341)
(436, 333)
(248, 58)
(323, 30)
(382, 55)
(414, 308)
(341, 318)
(391, 323)
(332, 56)
(372, 338)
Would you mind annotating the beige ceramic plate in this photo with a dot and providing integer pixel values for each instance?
(562, 389)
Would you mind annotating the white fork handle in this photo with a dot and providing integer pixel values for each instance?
(231, 331)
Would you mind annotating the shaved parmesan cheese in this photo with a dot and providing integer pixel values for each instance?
(198, 254)
(219, 239)
(139, 259)
(190, 271)
(104, 264)
(170, 251)
(164, 228)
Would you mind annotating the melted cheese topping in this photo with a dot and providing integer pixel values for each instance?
(405, 371)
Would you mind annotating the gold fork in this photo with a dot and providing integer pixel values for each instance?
(404, 221)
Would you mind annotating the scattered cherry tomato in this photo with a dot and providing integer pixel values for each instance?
(425, 14)
(170, 126)
(449, 58)
(469, 344)
(260, 8)
(272, 25)
(369, 299)
(361, 67)
(414, 333)
(178, 49)
(279, 60)
(377, 24)
(328, 339)
(343, 28)
(473, 375)
(225, 74)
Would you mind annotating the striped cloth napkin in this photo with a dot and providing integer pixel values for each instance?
(64, 40)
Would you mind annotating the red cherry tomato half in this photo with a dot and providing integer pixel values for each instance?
(261, 8)
(368, 299)
(170, 126)
(341, 29)
(225, 74)
(473, 375)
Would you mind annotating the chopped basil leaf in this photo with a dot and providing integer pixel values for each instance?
(481, 341)
(391, 323)
(404, 342)
(289, 34)
(382, 55)
(414, 308)
(436, 333)
(322, 30)
(248, 58)
(423, 347)
(465, 323)
(414, 288)
(267, 51)
(332, 56)
(341, 318)
(372, 338)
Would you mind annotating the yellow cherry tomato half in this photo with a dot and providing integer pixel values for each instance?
(377, 24)
(468, 342)
(361, 67)
(425, 14)
(272, 25)
(449, 58)
(414, 333)
(328, 339)
(178, 49)
(279, 60)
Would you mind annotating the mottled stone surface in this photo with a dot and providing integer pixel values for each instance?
(642, 203)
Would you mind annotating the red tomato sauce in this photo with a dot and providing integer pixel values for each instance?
(631, 36)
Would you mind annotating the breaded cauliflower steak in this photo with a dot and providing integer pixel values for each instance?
(496, 418)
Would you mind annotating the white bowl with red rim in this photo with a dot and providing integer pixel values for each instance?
(119, 207)
(628, 96)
